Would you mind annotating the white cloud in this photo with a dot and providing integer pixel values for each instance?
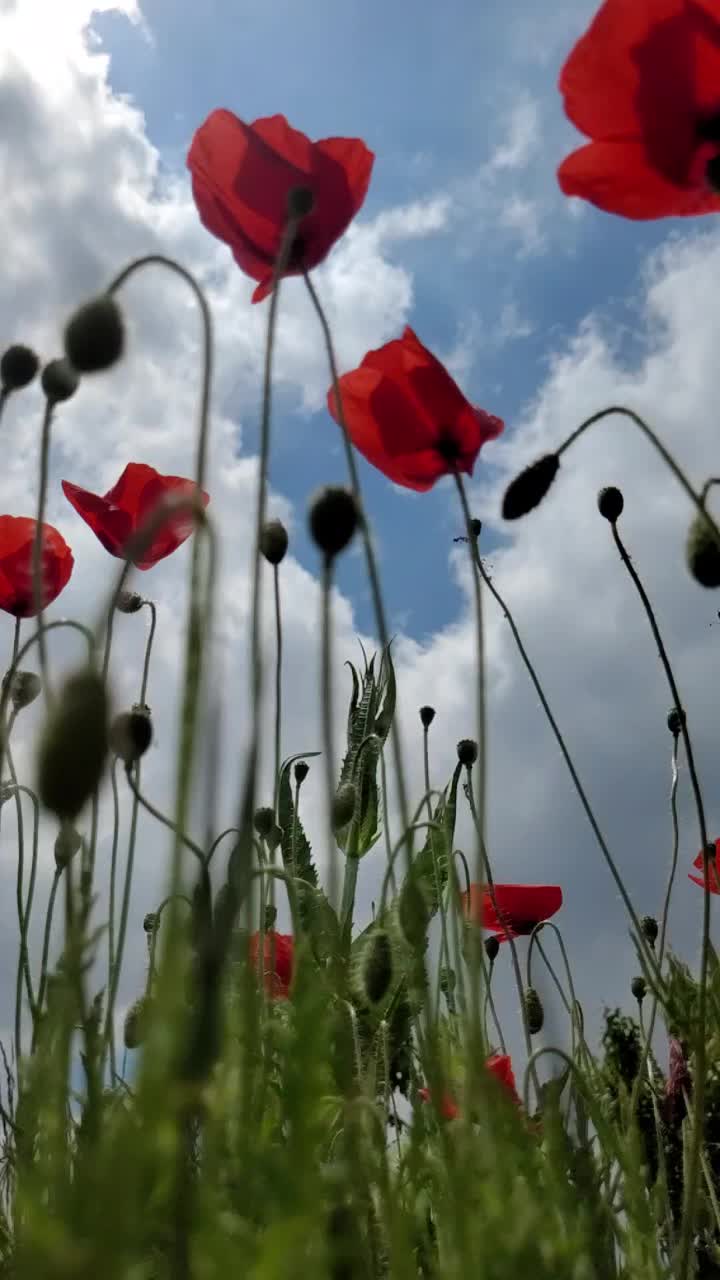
(522, 137)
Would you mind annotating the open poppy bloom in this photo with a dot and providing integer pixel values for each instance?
(17, 541)
(408, 417)
(519, 907)
(123, 510)
(499, 1065)
(243, 174)
(278, 954)
(713, 880)
(643, 84)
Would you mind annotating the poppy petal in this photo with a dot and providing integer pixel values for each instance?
(617, 177)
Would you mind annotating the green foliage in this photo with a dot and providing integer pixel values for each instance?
(370, 715)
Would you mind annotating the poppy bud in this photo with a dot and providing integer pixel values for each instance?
(131, 734)
(274, 541)
(129, 601)
(427, 715)
(95, 335)
(413, 913)
(270, 916)
(59, 381)
(25, 687)
(638, 986)
(476, 528)
(610, 503)
(703, 553)
(300, 202)
(377, 966)
(676, 720)
(467, 752)
(344, 805)
(302, 769)
(529, 488)
(150, 922)
(334, 517)
(74, 745)
(534, 1011)
(67, 843)
(649, 926)
(136, 1020)
(492, 946)
(18, 366)
(264, 821)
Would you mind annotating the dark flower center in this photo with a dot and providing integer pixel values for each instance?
(448, 448)
(298, 248)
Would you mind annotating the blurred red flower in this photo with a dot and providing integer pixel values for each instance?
(278, 955)
(17, 539)
(713, 880)
(448, 1107)
(643, 84)
(519, 907)
(500, 1065)
(242, 175)
(408, 417)
(116, 516)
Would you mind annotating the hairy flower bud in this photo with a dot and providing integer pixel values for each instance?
(344, 805)
(377, 966)
(95, 335)
(18, 367)
(467, 752)
(649, 926)
(334, 517)
(413, 913)
(74, 746)
(703, 553)
(528, 489)
(274, 541)
(67, 843)
(150, 922)
(427, 715)
(131, 734)
(129, 601)
(136, 1020)
(610, 503)
(59, 380)
(534, 1011)
(492, 946)
(264, 821)
(676, 720)
(302, 769)
(638, 986)
(25, 687)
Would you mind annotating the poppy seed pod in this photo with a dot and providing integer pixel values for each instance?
(136, 1020)
(467, 752)
(129, 601)
(534, 1011)
(492, 946)
(638, 986)
(676, 720)
(25, 687)
(74, 746)
(18, 367)
(334, 517)
(302, 769)
(703, 553)
(528, 489)
(131, 734)
(300, 202)
(67, 843)
(344, 805)
(427, 715)
(59, 380)
(274, 541)
(264, 821)
(377, 968)
(610, 503)
(95, 335)
(649, 926)
(413, 913)
(476, 527)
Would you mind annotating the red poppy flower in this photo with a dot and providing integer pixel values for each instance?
(500, 1066)
(278, 952)
(115, 517)
(408, 417)
(519, 907)
(449, 1109)
(713, 879)
(17, 540)
(242, 175)
(643, 84)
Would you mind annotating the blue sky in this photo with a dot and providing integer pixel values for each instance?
(434, 90)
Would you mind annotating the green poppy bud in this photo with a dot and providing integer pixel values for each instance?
(74, 746)
(529, 488)
(377, 968)
(18, 367)
(95, 335)
(534, 1011)
(334, 517)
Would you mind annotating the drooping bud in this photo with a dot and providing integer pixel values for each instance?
(74, 746)
(534, 1011)
(610, 503)
(334, 517)
(649, 926)
(59, 380)
(274, 541)
(270, 916)
(492, 946)
(25, 687)
(413, 913)
(467, 752)
(703, 553)
(131, 734)
(150, 922)
(638, 986)
(302, 769)
(67, 843)
(377, 967)
(300, 202)
(529, 488)
(344, 805)
(675, 721)
(476, 528)
(427, 715)
(264, 821)
(136, 1020)
(18, 367)
(448, 983)
(129, 601)
(95, 335)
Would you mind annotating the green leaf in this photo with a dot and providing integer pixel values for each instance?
(431, 866)
(301, 864)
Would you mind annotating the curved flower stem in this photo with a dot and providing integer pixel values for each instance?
(229, 831)
(573, 1006)
(328, 736)
(23, 966)
(148, 650)
(490, 1003)
(181, 897)
(692, 1180)
(160, 817)
(111, 910)
(37, 574)
(444, 950)
(19, 654)
(278, 684)
(46, 941)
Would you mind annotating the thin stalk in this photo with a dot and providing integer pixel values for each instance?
(161, 817)
(23, 965)
(668, 891)
(490, 1003)
(46, 938)
(111, 912)
(37, 574)
(148, 649)
(444, 952)
(278, 683)
(229, 831)
(328, 739)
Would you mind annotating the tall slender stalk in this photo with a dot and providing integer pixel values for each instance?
(37, 573)
(329, 737)
(278, 688)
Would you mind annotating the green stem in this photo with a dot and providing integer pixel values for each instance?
(134, 786)
(328, 737)
(278, 683)
(46, 940)
(668, 891)
(111, 913)
(148, 650)
(229, 831)
(490, 1003)
(37, 574)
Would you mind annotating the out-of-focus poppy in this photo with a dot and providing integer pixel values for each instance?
(278, 957)
(17, 541)
(713, 879)
(519, 907)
